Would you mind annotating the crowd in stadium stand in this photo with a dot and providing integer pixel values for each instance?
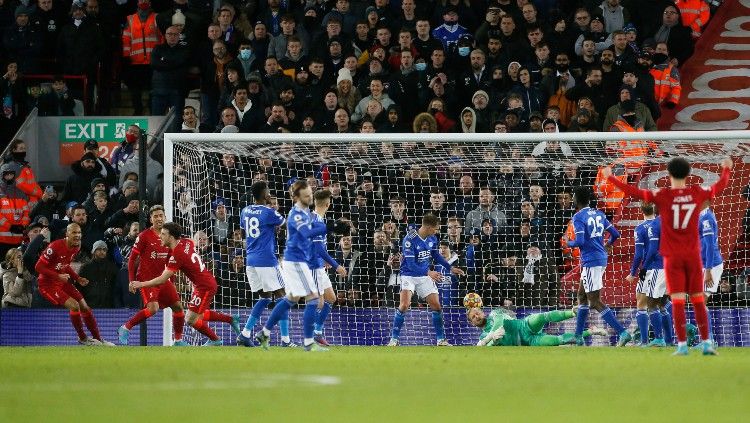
(445, 66)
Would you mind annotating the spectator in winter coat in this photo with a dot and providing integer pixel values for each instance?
(101, 273)
(78, 184)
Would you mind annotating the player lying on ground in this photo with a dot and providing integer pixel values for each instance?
(679, 206)
(185, 257)
(499, 328)
(56, 279)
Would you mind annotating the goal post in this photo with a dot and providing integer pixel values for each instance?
(503, 200)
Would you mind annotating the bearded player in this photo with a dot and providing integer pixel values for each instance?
(185, 257)
(679, 206)
(56, 279)
(147, 260)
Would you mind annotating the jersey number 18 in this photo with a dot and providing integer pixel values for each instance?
(252, 227)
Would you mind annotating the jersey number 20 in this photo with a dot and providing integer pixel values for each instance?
(677, 210)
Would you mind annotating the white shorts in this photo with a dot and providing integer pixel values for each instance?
(322, 281)
(267, 279)
(591, 278)
(420, 285)
(716, 273)
(298, 279)
(654, 285)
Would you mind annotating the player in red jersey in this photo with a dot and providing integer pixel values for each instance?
(679, 206)
(147, 261)
(56, 279)
(185, 257)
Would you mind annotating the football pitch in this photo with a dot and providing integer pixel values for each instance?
(352, 384)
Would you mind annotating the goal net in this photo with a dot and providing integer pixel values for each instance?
(504, 203)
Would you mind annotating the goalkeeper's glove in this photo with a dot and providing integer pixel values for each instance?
(338, 227)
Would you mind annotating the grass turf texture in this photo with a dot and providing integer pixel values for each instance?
(372, 384)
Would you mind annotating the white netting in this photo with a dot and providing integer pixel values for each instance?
(373, 178)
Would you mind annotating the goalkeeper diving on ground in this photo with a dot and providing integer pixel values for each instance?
(501, 328)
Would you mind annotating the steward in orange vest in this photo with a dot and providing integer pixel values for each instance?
(632, 153)
(695, 15)
(25, 180)
(14, 209)
(667, 87)
(139, 37)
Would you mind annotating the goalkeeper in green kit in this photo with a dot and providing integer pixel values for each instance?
(501, 328)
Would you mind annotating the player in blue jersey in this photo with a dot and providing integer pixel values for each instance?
(259, 222)
(318, 258)
(713, 264)
(651, 289)
(419, 249)
(590, 225)
(295, 269)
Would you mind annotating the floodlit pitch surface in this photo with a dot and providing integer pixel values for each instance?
(354, 384)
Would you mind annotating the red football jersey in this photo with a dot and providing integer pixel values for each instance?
(679, 209)
(55, 260)
(153, 256)
(185, 257)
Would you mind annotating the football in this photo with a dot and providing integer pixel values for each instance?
(472, 300)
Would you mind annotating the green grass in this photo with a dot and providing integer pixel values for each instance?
(372, 384)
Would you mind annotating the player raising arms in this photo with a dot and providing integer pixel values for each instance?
(259, 221)
(420, 248)
(679, 206)
(56, 279)
(185, 257)
(713, 264)
(500, 328)
(319, 256)
(650, 289)
(147, 260)
(590, 225)
(301, 229)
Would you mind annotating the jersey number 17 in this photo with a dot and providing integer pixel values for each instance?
(686, 210)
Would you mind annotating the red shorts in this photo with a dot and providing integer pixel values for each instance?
(58, 293)
(200, 300)
(166, 294)
(684, 274)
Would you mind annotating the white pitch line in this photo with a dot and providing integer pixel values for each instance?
(248, 381)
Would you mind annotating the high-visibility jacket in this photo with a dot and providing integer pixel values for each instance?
(667, 87)
(26, 182)
(140, 38)
(14, 210)
(632, 153)
(695, 15)
(608, 195)
(571, 256)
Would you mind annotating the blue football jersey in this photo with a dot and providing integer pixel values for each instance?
(418, 253)
(300, 231)
(640, 241)
(259, 224)
(653, 259)
(319, 255)
(590, 225)
(709, 231)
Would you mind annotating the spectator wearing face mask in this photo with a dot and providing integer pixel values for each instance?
(14, 209)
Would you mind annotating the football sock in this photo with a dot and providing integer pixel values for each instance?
(201, 326)
(641, 317)
(320, 320)
(398, 323)
(710, 324)
(255, 314)
(437, 323)
(215, 316)
(178, 323)
(90, 321)
(279, 311)
(678, 317)
(666, 325)
(701, 315)
(609, 316)
(655, 318)
(284, 328)
(581, 317)
(308, 320)
(142, 315)
(75, 319)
